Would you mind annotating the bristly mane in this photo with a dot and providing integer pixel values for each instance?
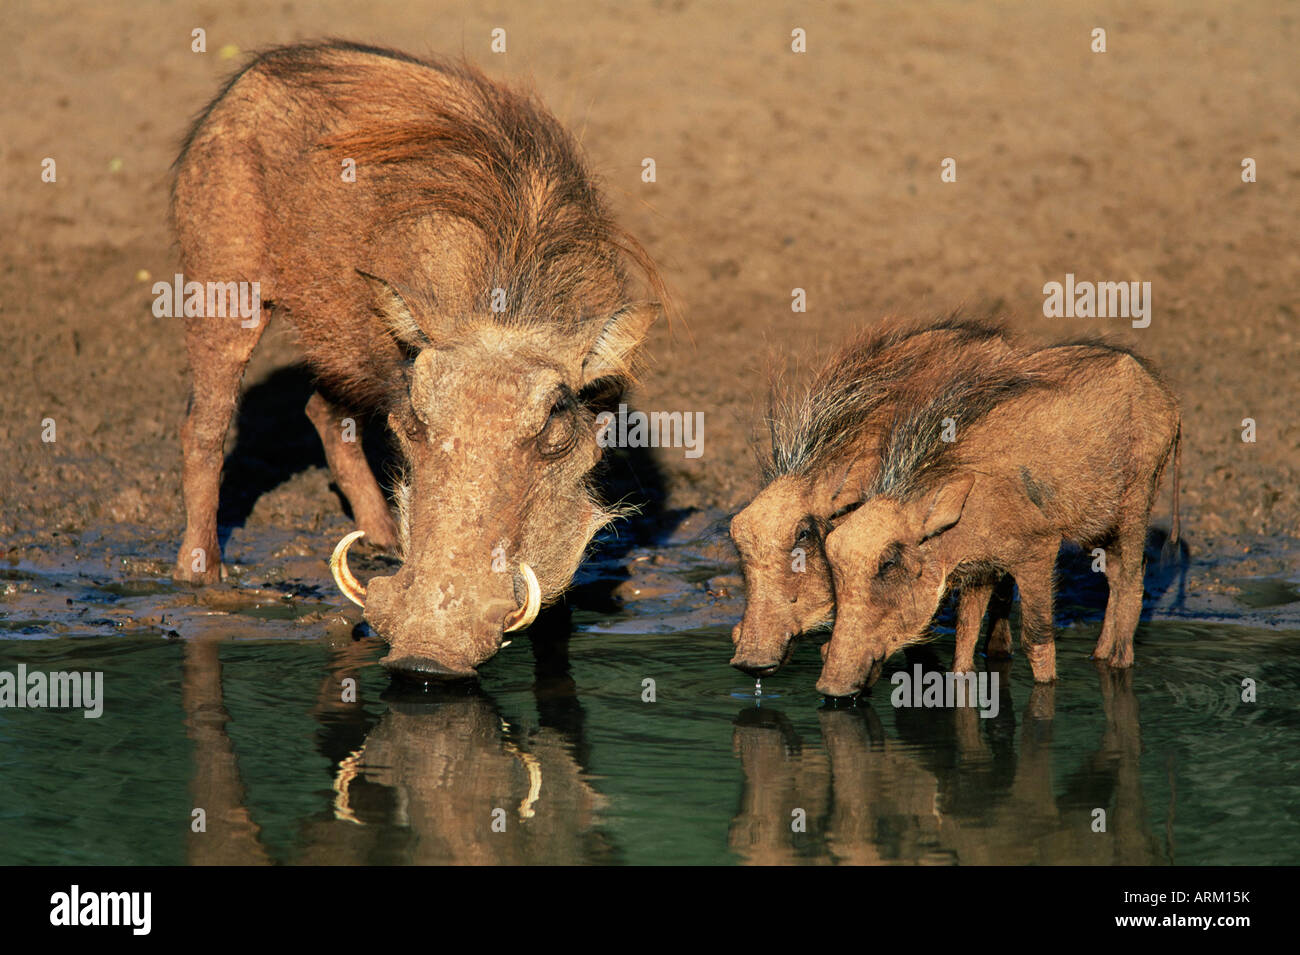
(808, 432)
(1105, 348)
(486, 154)
(915, 457)
(494, 157)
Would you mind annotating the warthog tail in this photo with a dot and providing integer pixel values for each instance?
(1171, 548)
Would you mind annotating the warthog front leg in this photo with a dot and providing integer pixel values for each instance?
(347, 461)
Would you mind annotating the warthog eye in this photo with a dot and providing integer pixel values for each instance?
(560, 432)
(893, 557)
(807, 533)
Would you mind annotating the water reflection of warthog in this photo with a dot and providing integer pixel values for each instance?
(441, 778)
(444, 772)
(953, 795)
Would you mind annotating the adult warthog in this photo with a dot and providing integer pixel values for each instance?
(447, 264)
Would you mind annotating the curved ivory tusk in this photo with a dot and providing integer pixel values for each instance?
(351, 587)
(342, 797)
(526, 614)
(534, 768)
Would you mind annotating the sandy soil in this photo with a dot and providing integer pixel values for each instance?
(774, 171)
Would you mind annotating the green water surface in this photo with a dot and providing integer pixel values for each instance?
(555, 760)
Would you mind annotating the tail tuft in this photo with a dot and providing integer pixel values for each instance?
(1171, 548)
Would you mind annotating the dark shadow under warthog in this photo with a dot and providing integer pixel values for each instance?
(1081, 592)
(275, 441)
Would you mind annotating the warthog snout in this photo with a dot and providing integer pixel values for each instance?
(761, 658)
(425, 668)
(755, 669)
(443, 642)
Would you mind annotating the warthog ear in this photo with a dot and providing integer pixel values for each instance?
(613, 353)
(946, 506)
(397, 316)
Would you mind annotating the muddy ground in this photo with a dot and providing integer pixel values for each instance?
(775, 170)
